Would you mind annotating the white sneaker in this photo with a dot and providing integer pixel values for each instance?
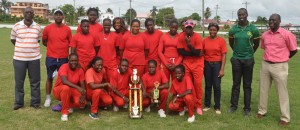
(161, 113)
(125, 106)
(64, 118)
(116, 108)
(218, 111)
(147, 109)
(47, 103)
(182, 112)
(191, 119)
(71, 110)
(206, 108)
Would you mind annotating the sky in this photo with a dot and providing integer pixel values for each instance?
(288, 9)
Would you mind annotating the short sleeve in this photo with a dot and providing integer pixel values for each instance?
(69, 34)
(198, 42)
(291, 41)
(231, 32)
(89, 76)
(73, 42)
(63, 70)
(163, 77)
(146, 42)
(81, 76)
(172, 90)
(223, 46)
(255, 32)
(13, 33)
(45, 33)
(181, 41)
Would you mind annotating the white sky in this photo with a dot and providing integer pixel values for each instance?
(288, 9)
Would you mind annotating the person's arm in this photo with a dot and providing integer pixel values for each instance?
(13, 41)
(45, 41)
(113, 88)
(183, 52)
(231, 42)
(292, 53)
(101, 85)
(181, 95)
(256, 44)
(221, 73)
(161, 51)
(165, 85)
(65, 81)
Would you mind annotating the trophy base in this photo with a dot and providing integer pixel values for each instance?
(135, 116)
(155, 101)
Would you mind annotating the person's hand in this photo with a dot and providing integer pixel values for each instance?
(221, 74)
(174, 100)
(81, 90)
(82, 99)
(172, 67)
(125, 99)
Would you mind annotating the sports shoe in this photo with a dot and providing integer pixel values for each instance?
(199, 111)
(147, 109)
(218, 111)
(56, 107)
(94, 116)
(64, 118)
(161, 113)
(206, 108)
(71, 110)
(47, 103)
(125, 105)
(182, 112)
(191, 119)
(116, 108)
(231, 110)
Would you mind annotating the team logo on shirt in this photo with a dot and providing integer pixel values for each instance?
(249, 34)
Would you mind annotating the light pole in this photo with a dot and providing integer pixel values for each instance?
(203, 18)
(130, 13)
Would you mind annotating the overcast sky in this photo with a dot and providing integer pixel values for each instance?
(288, 9)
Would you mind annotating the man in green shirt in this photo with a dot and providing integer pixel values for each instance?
(244, 39)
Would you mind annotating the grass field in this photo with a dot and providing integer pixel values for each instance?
(28, 118)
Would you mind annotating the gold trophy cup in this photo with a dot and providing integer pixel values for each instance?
(135, 111)
(156, 92)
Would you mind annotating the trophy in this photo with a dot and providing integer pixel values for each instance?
(156, 92)
(135, 102)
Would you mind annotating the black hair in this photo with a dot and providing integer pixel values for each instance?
(149, 20)
(84, 20)
(124, 60)
(181, 67)
(279, 17)
(182, 21)
(213, 25)
(152, 61)
(106, 19)
(173, 21)
(121, 20)
(94, 61)
(243, 10)
(73, 54)
(92, 9)
(135, 20)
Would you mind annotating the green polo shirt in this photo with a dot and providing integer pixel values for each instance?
(243, 40)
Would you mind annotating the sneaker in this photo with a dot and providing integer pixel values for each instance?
(47, 103)
(56, 108)
(116, 108)
(231, 110)
(94, 116)
(246, 112)
(71, 110)
(147, 109)
(161, 113)
(199, 111)
(64, 118)
(125, 105)
(191, 119)
(17, 107)
(218, 111)
(206, 108)
(182, 112)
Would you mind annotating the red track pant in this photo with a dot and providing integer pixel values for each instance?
(163, 98)
(181, 102)
(98, 97)
(119, 101)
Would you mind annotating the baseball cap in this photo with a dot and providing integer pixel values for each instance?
(58, 10)
(189, 23)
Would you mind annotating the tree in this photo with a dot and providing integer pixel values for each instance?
(127, 15)
(164, 15)
(80, 11)
(261, 20)
(195, 16)
(5, 4)
(207, 13)
(109, 10)
(217, 18)
(153, 12)
(69, 12)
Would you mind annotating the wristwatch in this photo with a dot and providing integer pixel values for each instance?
(177, 95)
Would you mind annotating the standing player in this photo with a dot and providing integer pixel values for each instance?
(167, 50)
(69, 87)
(190, 46)
(155, 76)
(95, 27)
(56, 37)
(84, 44)
(120, 30)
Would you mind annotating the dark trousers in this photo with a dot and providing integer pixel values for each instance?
(241, 68)
(20, 68)
(211, 72)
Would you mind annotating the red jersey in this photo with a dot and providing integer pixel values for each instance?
(134, 48)
(74, 76)
(180, 87)
(196, 42)
(85, 46)
(91, 76)
(168, 49)
(58, 40)
(153, 40)
(121, 81)
(149, 80)
(107, 51)
(214, 48)
(94, 29)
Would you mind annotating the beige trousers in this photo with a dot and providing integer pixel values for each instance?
(277, 72)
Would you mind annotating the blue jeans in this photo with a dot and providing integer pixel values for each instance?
(211, 72)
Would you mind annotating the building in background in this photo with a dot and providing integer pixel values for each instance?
(142, 17)
(40, 9)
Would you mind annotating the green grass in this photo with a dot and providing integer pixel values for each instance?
(44, 118)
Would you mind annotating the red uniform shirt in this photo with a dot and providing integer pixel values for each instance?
(214, 48)
(58, 40)
(196, 42)
(85, 46)
(107, 51)
(168, 49)
(121, 81)
(91, 76)
(153, 40)
(74, 77)
(134, 48)
(149, 80)
(94, 29)
(181, 87)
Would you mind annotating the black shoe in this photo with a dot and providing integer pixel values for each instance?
(246, 112)
(35, 106)
(94, 116)
(16, 107)
(231, 110)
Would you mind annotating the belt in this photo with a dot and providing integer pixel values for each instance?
(270, 62)
(213, 62)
